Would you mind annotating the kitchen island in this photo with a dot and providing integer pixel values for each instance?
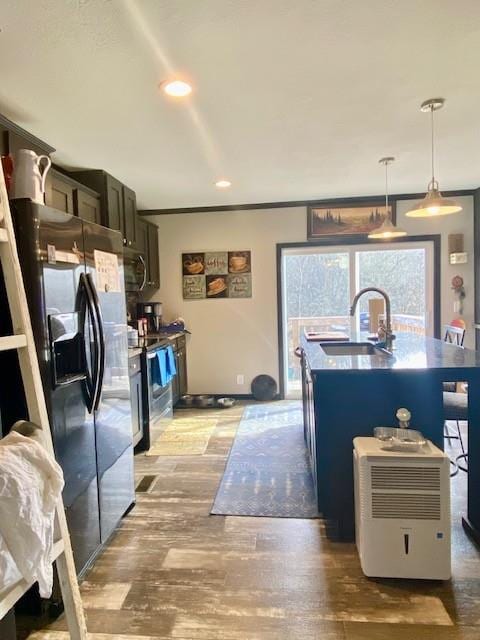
(348, 395)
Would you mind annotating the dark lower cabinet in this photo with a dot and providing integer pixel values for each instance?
(175, 385)
(136, 398)
(182, 371)
(180, 383)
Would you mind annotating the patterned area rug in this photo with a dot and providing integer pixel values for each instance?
(184, 437)
(268, 472)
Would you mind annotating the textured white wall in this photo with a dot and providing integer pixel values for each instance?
(455, 223)
(231, 337)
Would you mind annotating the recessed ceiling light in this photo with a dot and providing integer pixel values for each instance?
(177, 88)
(223, 184)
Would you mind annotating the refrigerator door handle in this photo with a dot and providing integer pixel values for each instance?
(88, 310)
(101, 341)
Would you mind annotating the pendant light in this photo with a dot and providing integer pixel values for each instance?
(387, 229)
(433, 204)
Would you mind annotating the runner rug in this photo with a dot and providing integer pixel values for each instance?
(184, 437)
(268, 472)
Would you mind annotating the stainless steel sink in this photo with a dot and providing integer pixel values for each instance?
(353, 349)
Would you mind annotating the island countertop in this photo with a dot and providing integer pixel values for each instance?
(348, 396)
(411, 351)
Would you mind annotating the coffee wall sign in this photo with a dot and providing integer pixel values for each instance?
(217, 274)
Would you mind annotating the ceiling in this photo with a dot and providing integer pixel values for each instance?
(292, 100)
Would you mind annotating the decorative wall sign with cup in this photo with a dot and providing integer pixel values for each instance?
(217, 274)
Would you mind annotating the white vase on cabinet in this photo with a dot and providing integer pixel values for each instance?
(28, 179)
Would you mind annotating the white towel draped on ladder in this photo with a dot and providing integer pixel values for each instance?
(30, 485)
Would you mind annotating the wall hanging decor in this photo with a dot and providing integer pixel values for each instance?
(459, 290)
(350, 219)
(217, 274)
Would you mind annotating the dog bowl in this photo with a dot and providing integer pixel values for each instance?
(225, 403)
(204, 401)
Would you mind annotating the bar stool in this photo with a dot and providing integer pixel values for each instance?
(455, 405)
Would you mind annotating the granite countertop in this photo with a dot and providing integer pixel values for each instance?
(152, 340)
(168, 336)
(411, 351)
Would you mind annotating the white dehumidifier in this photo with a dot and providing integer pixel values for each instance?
(402, 511)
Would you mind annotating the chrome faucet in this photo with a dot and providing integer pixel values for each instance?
(389, 337)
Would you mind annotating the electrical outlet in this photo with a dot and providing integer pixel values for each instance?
(240, 378)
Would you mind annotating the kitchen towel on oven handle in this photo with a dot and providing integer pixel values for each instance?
(160, 370)
(171, 366)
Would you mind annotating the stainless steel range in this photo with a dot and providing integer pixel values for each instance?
(159, 401)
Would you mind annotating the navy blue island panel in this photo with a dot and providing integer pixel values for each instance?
(354, 394)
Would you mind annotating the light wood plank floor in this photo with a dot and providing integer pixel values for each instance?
(173, 571)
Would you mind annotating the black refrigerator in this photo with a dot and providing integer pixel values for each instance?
(73, 274)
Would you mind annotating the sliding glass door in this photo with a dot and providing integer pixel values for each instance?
(319, 282)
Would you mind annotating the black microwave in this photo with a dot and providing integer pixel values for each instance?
(135, 271)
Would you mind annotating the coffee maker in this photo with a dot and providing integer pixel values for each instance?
(152, 311)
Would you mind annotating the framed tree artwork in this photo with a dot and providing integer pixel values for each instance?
(349, 219)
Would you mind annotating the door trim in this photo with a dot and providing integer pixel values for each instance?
(436, 239)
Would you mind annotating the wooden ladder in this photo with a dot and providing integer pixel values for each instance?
(22, 340)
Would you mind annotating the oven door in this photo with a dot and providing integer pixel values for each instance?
(160, 402)
(135, 271)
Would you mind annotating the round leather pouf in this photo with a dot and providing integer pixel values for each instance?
(264, 387)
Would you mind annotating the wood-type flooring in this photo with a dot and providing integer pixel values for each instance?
(173, 571)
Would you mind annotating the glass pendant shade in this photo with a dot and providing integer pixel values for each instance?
(387, 229)
(433, 204)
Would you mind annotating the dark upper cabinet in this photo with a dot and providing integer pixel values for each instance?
(153, 257)
(87, 206)
(14, 138)
(114, 210)
(130, 217)
(65, 194)
(119, 203)
(118, 206)
(147, 244)
(142, 236)
(59, 191)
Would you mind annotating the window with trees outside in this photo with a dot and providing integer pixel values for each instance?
(319, 282)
